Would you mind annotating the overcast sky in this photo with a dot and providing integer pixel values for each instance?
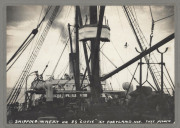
(21, 20)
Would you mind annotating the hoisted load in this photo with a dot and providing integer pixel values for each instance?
(89, 31)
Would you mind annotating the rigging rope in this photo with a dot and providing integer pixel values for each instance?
(131, 80)
(62, 51)
(60, 36)
(110, 86)
(120, 19)
(14, 89)
(102, 45)
(135, 13)
(64, 73)
(12, 98)
(122, 59)
(58, 60)
(23, 45)
(150, 42)
(57, 41)
(151, 85)
(109, 60)
(21, 52)
(61, 55)
(136, 29)
(164, 18)
(105, 57)
(170, 78)
(39, 28)
(63, 70)
(40, 14)
(151, 36)
(19, 83)
(152, 28)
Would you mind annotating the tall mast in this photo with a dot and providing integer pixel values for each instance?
(77, 72)
(93, 20)
(94, 60)
(96, 87)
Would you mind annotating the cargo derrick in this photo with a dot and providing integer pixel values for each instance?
(70, 107)
(143, 96)
(95, 90)
(139, 100)
(151, 60)
(155, 70)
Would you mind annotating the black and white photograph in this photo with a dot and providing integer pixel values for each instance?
(90, 64)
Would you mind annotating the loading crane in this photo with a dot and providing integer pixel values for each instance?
(155, 70)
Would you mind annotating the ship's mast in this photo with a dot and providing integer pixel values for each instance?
(96, 26)
(77, 72)
(93, 20)
(94, 61)
(96, 87)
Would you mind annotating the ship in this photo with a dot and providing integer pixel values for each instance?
(83, 97)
